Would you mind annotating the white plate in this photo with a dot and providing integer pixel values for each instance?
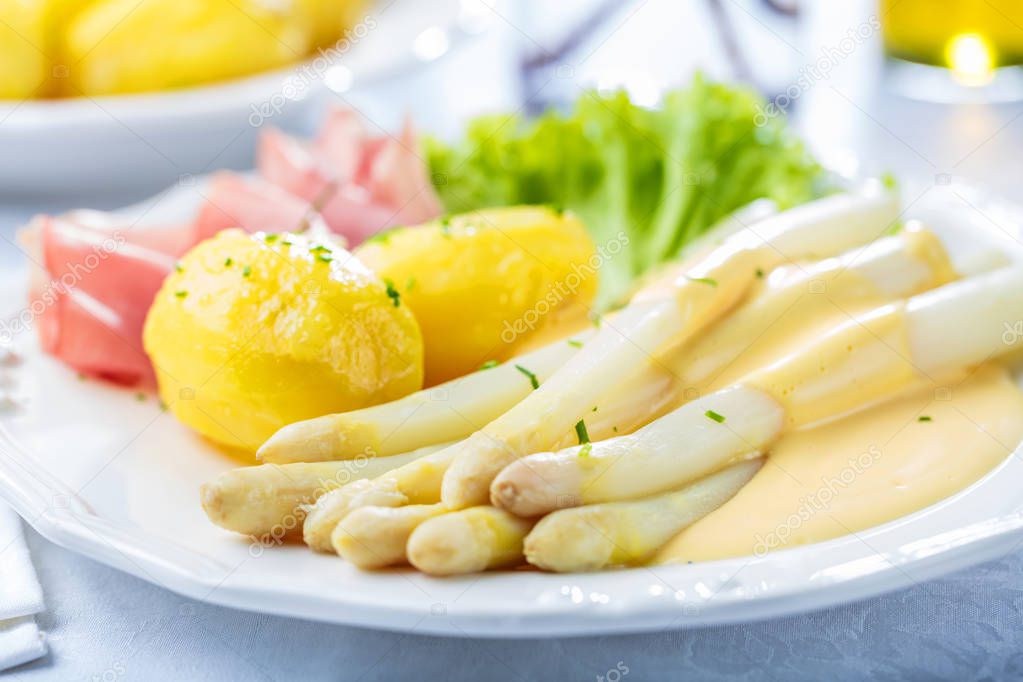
(95, 470)
(84, 147)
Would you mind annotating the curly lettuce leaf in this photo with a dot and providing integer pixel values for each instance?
(648, 180)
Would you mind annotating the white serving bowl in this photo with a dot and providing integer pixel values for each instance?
(89, 147)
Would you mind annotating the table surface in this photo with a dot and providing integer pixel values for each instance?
(105, 625)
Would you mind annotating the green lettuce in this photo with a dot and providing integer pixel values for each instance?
(646, 182)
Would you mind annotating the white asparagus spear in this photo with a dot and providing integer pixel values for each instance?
(628, 533)
(443, 413)
(375, 537)
(644, 397)
(677, 448)
(271, 498)
(888, 269)
(655, 319)
(468, 541)
(417, 482)
(859, 363)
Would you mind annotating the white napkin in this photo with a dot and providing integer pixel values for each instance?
(20, 596)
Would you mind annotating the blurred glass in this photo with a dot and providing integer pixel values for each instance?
(955, 49)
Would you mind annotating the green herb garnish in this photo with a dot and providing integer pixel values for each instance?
(711, 414)
(759, 273)
(324, 257)
(532, 377)
(271, 238)
(924, 418)
(392, 293)
(585, 450)
(580, 432)
(181, 294)
(574, 343)
(228, 262)
(489, 364)
(704, 280)
(178, 267)
(246, 271)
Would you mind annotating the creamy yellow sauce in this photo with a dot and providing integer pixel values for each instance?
(826, 344)
(866, 469)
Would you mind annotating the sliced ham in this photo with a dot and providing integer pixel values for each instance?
(99, 280)
(361, 183)
(232, 200)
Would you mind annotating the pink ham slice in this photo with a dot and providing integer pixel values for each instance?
(99, 281)
(361, 183)
(254, 205)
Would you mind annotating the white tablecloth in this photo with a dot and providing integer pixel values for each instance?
(105, 625)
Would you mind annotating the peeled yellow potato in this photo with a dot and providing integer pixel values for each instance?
(485, 284)
(24, 53)
(119, 46)
(330, 18)
(254, 332)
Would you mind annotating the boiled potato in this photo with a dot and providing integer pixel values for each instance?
(119, 46)
(484, 285)
(330, 18)
(253, 332)
(24, 53)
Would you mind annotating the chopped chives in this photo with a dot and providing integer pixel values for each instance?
(574, 343)
(704, 280)
(489, 364)
(924, 418)
(711, 414)
(532, 377)
(392, 293)
(580, 432)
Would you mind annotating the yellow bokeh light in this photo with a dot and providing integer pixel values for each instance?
(971, 58)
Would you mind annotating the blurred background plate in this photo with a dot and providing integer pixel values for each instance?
(84, 148)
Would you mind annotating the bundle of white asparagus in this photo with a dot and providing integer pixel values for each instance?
(595, 451)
